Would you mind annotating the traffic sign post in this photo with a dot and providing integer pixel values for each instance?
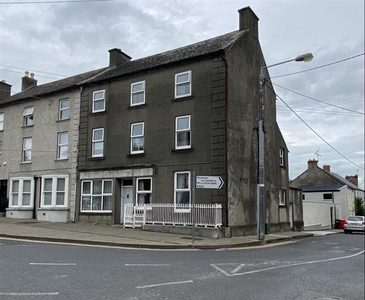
(202, 182)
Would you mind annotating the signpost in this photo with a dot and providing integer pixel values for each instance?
(209, 182)
(203, 182)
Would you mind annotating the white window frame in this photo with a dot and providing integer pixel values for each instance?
(1, 121)
(64, 109)
(177, 131)
(91, 195)
(94, 142)
(282, 157)
(182, 190)
(54, 190)
(28, 115)
(97, 100)
(138, 136)
(144, 192)
(282, 197)
(177, 84)
(60, 146)
(143, 92)
(21, 192)
(27, 150)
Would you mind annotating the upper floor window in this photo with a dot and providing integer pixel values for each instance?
(27, 150)
(144, 191)
(137, 93)
(28, 116)
(96, 195)
(137, 138)
(21, 192)
(183, 84)
(1, 121)
(281, 155)
(54, 190)
(62, 145)
(98, 101)
(64, 109)
(282, 197)
(182, 191)
(182, 133)
(98, 142)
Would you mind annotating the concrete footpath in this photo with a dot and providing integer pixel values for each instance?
(116, 235)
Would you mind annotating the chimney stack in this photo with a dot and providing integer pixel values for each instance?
(5, 90)
(353, 179)
(118, 57)
(28, 81)
(312, 163)
(327, 168)
(249, 20)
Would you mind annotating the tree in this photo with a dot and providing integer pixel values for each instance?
(359, 207)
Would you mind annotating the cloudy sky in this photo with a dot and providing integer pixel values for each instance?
(54, 40)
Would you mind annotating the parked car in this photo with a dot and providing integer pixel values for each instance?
(354, 223)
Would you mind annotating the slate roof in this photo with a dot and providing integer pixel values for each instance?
(55, 86)
(344, 181)
(206, 47)
(322, 188)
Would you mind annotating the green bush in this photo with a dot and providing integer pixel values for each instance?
(359, 207)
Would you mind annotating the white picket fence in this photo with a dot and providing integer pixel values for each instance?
(206, 215)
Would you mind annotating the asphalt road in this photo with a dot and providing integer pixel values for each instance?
(328, 267)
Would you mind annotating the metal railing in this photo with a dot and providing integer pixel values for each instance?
(206, 215)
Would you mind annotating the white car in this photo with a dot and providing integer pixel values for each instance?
(354, 223)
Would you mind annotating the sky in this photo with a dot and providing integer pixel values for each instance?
(320, 108)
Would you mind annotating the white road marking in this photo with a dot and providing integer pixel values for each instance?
(163, 284)
(29, 294)
(331, 243)
(285, 266)
(147, 265)
(52, 264)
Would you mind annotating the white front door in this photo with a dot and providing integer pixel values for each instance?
(127, 197)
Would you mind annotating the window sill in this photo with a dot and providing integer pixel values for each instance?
(136, 154)
(96, 113)
(63, 120)
(137, 106)
(282, 205)
(61, 160)
(27, 126)
(96, 158)
(53, 208)
(182, 150)
(283, 166)
(25, 162)
(107, 213)
(190, 97)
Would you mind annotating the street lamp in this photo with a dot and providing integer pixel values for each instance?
(261, 214)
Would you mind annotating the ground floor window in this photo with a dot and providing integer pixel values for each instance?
(96, 195)
(54, 191)
(144, 191)
(21, 192)
(182, 194)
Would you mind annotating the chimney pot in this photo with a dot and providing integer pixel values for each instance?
(27, 81)
(353, 179)
(312, 163)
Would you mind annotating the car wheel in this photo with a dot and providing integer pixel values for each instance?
(350, 231)
(345, 232)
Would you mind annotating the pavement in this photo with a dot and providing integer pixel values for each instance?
(118, 236)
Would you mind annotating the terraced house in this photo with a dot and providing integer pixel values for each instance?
(38, 144)
(148, 125)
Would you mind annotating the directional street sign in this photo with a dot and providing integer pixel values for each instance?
(209, 182)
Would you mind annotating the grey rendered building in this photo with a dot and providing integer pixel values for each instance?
(148, 125)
